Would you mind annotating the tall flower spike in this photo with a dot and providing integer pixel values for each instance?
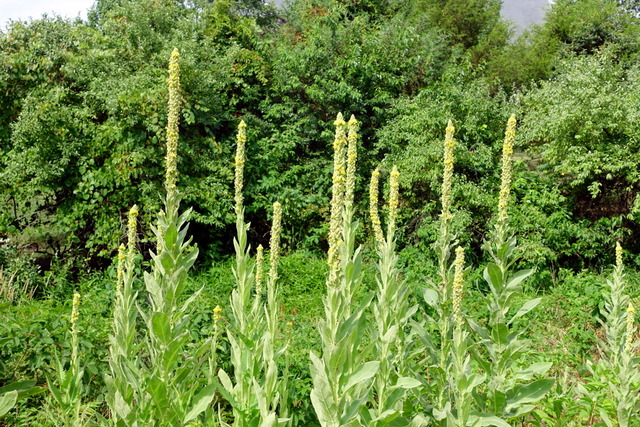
(631, 311)
(172, 125)
(458, 281)
(393, 200)
(74, 310)
(259, 269)
(132, 229)
(337, 198)
(507, 160)
(373, 206)
(618, 255)
(352, 157)
(274, 242)
(447, 178)
(241, 141)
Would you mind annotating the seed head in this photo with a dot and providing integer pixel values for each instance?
(507, 160)
(172, 124)
(373, 206)
(447, 178)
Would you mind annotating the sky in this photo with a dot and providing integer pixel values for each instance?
(24, 9)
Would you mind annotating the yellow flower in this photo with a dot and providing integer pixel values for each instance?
(618, 255)
(373, 206)
(338, 197)
(507, 160)
(217, 314)
(132, 227)
(74, 310)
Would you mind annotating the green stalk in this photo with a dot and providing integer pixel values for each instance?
(341, 376)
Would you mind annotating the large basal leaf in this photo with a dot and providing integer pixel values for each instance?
(529, 393)
(200, 402)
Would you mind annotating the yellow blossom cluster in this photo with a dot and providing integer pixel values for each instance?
(74, 310)
(217, 315)
(352, 157)
(338, 196)
(172, 124)
(241, 142)
(507, 160)
(393, 199)
(274, 242)
(618, 255)
(132, 228)
(373, 206)
(120, 278)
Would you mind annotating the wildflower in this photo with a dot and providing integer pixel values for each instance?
(74, 310)
(259, 269)
(241, 141)
(618, 255)
(217, 314)
(172, 124)
(458, 281)
(507, 160)
(393, 199)
(373, 206)
(352, 156)
(630, 327)
(132, 226)
(447, 179)
(274, 242)
(338, 196)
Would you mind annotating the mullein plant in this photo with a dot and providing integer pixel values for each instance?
(617, 371)
(341, 375)
(436, 331)
(68, 393)
(391, 312)
(161, 387)
(254, 391)
(124, 363)
(510, 390)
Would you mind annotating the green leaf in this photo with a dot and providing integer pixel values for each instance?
(407, 382)
(527, 307)
(539, 368)
(529, 393)
(161, 328)
(487, 420)
(363, 373)
(8, 401)
(200, 402)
